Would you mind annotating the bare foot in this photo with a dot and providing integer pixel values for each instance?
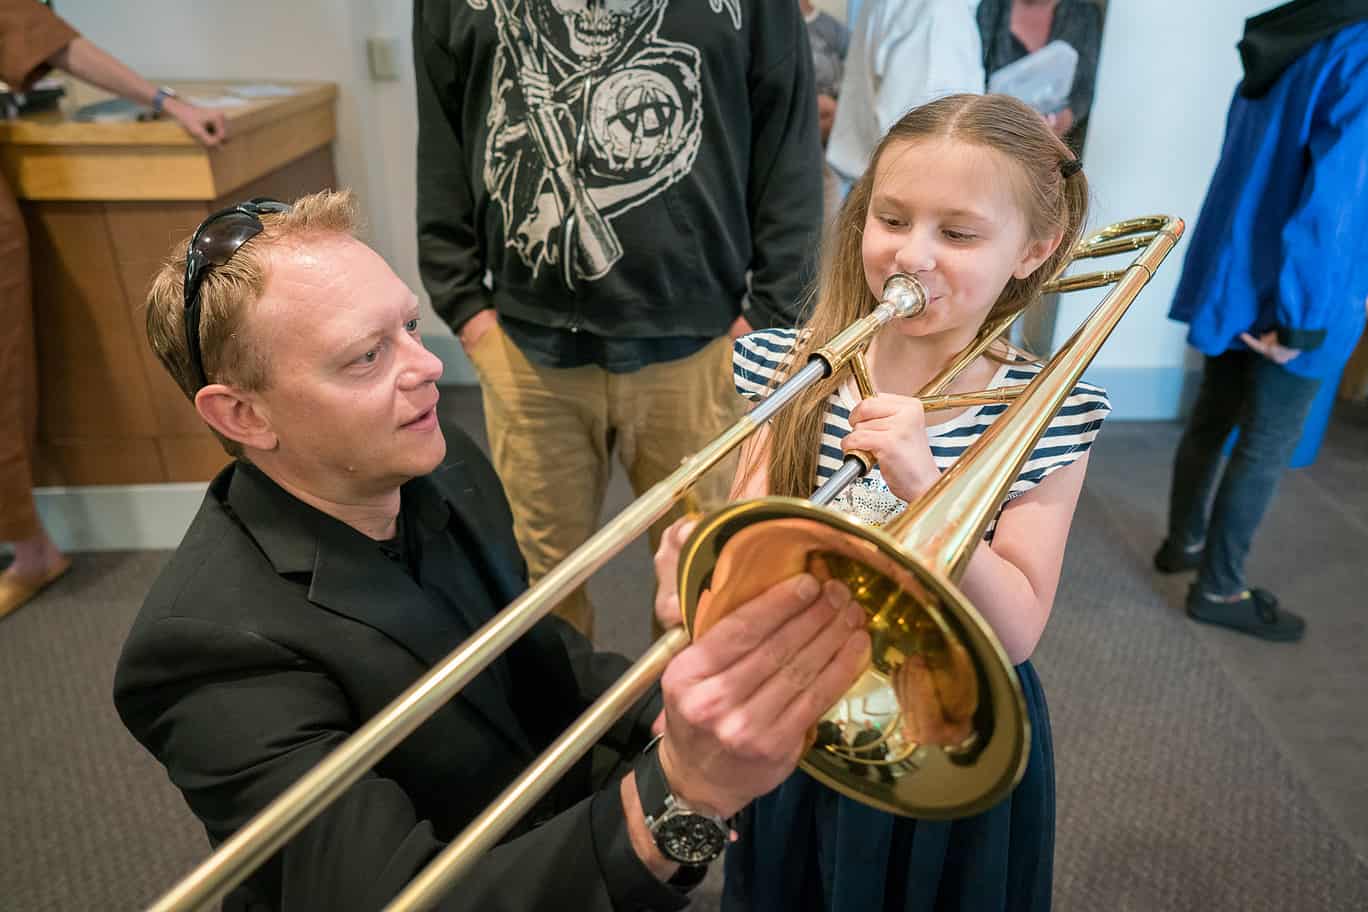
(36, 558)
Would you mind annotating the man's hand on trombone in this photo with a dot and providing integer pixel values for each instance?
(741, 699)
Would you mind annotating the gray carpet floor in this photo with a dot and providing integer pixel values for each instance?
(1197, 769)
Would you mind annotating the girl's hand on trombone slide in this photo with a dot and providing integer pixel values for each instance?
(893, 428)
(667, 610)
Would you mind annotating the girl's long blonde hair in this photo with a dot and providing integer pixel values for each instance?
(1051, 201)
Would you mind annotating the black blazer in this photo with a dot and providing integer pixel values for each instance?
(275, 631)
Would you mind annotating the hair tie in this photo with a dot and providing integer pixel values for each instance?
(1070, 166)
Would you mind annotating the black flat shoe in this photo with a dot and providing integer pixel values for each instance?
(1169, 559)
(1256, 613)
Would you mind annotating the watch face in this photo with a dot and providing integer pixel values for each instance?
(690, 839)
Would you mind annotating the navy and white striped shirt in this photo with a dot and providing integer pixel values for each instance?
(759, 356)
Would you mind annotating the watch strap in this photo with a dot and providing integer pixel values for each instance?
(159, 99)
(652, 788)
(659, 803)
(688, 877)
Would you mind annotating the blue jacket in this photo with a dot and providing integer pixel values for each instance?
(1282, 240)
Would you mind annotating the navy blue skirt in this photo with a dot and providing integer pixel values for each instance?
(807, 848)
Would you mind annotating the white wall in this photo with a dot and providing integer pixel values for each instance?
(1164, 82)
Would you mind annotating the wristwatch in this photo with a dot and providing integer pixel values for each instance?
(683, 834)
(159, 99)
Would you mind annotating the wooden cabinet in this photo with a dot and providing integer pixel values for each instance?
(103, 204)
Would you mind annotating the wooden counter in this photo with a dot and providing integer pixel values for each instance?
(103, 203)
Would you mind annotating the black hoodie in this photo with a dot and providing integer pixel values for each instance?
(617, 169)
(1273, 40)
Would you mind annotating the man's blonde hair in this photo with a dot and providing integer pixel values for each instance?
(231, 352)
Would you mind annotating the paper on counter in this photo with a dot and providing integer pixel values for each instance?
(261, 90)
(216, 101)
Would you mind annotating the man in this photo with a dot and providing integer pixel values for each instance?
(349, 547)
(902, 54)
(596, 182)
(33, 41)
(1273, 290)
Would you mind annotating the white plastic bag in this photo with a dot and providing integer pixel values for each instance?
(1041, 79)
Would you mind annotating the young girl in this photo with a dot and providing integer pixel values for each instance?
(978, 198)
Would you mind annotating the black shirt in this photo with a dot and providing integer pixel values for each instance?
(563, 348)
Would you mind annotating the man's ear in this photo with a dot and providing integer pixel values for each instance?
(1037, 252)
(237, 415)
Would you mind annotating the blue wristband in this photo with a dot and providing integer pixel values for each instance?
(159, 99)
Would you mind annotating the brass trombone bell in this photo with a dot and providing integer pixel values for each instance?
(939, 693)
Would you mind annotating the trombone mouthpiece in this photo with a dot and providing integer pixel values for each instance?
(905, 294)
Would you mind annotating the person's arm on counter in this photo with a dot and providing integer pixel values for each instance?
(84, 60)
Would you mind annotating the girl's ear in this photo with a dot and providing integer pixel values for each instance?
(1037, 252)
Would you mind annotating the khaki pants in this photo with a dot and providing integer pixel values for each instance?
(18, 378)
(552, 431)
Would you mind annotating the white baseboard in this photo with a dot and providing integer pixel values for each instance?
(119, 517)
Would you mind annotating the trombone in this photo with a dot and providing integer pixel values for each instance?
(955, 736)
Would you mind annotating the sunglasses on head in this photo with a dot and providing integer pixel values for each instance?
(213, 244)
